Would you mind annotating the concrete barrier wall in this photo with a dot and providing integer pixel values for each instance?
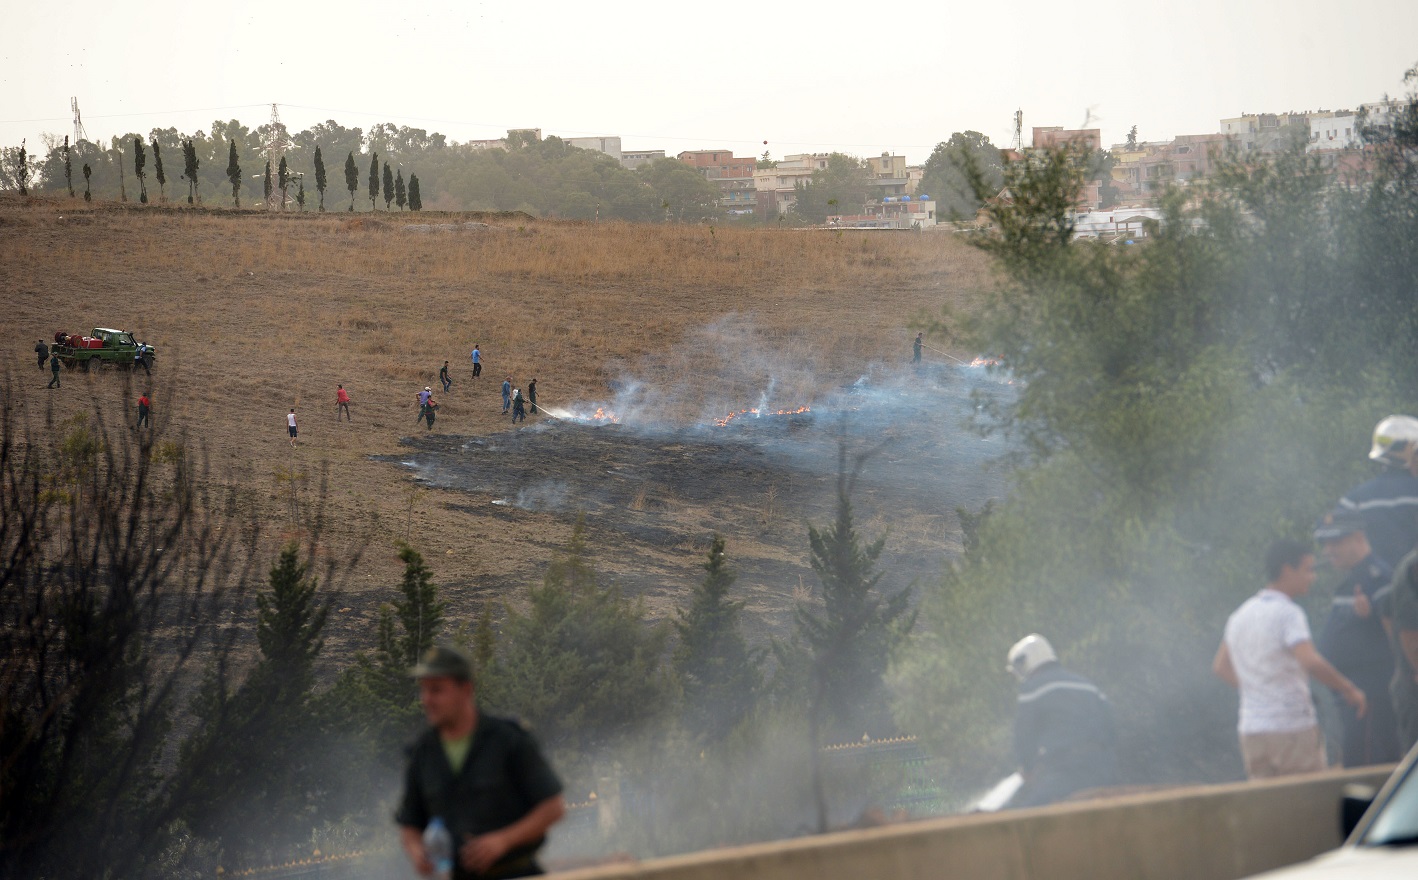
(1214, 832)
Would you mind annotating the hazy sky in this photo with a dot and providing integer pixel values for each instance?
(861, 78)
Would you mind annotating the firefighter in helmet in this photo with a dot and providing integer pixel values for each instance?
(1064, 737)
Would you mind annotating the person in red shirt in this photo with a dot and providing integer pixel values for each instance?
(144, 406)
(342, 403)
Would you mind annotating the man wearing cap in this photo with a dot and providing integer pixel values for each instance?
(1403, 613)
(1354, 641)
(423, 396)
(1268, 656)
(484, 776)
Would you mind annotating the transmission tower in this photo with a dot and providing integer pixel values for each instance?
(1017, 145)
(277, 143)
(79, 133)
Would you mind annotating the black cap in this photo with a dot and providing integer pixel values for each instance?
(1338, 523)
(443, 661)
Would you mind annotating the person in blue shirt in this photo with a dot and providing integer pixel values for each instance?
(506, 394)
(477, 357)
(1354, 641)
(1064, 737)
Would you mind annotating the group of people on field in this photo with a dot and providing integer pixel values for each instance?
(513, 400)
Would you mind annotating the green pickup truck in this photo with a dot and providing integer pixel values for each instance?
(105, 346)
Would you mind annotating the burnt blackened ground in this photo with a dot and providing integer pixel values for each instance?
(653, 494)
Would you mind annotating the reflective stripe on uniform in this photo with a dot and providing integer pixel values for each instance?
(1401, 501)
(1060, 686)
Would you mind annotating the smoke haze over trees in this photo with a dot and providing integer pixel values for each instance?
(1183, 403)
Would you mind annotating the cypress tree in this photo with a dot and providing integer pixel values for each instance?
(22, 169)
(300, 196)
(420, 613)
(373, 179)
(140, 162)
(283, 177)
(189, 168)
(122, 181)
(267, 183)
(255, 765)
(88, 196)
(852, 640)
(718, 672)
(415, 200)
(158, 172)
(400, 194)
(351, 177)
(388, 186)
(582, 666)
(319, 178)
(233, 173)
(68, 169)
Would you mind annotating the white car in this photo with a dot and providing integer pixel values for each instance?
(1383, 844)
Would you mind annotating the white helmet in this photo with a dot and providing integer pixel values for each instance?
(1395, 439)
(1029, 653)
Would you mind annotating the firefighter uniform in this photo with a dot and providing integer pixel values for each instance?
(1064, 737)
(1358, 647)
(1389, 505)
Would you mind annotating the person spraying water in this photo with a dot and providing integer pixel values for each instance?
(1064, 736)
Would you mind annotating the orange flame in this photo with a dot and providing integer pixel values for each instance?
(986, 362)
(755, 412)
(601, 415)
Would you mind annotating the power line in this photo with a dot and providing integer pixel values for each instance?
(130, 115)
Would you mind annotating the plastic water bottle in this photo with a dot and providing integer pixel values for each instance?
(438, 846)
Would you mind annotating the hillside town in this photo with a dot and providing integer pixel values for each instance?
(1138, 171)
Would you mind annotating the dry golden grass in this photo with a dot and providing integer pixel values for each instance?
(253, 314)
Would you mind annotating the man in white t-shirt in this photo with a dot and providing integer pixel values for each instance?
(1268, 655)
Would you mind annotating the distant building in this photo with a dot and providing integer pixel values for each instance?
(1266, 133)
(633, 159)
(891, 213)
(776, 188)
(1143, 171)
(518, 135)
(1333, 130)
(1378, 116)
(715, 164)
(888, 175)
(608, 145)
(914, 175)
(1053, 136)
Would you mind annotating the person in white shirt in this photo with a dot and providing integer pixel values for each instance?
(1268, 655)
(290, 426)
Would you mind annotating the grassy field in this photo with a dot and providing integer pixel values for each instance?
(253, 314)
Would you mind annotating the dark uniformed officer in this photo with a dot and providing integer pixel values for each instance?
(1403, 602)
(1354, 641)
(1389, 502)
(1064, 738)
(483, 776)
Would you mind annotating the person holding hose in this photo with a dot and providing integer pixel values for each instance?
(1064, 737)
